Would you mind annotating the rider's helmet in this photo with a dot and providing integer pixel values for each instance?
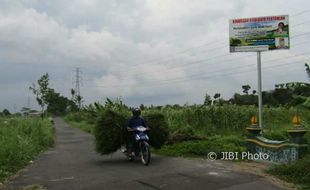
(136, 112)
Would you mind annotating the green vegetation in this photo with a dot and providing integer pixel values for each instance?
(22, 139)
(201, 148)
(5, 112)
(298, 172)
(83, 125)
(196, 130)
(107, 122)
(159, 133)
(52, 101)
(109, 132)
(199, 123)
(218, 125)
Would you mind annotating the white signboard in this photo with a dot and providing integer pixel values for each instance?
(259, 34)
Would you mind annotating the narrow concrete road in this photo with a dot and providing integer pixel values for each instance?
(73, 164)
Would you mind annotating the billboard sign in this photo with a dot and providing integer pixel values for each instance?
(259, 34)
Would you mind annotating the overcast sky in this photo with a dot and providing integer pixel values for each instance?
(145, 51)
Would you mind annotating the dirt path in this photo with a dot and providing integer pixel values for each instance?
(73, 164)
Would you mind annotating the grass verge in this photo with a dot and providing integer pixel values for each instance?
(21, 140)
(297, 172)
(83, 125)
(201, 148)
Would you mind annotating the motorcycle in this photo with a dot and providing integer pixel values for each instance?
(141, 139)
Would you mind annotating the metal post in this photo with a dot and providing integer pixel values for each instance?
(259, 82)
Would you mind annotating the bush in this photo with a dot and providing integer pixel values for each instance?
(159, 129)
(298, 172)
(109, 132)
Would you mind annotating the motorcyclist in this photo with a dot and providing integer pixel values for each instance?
(133, 122)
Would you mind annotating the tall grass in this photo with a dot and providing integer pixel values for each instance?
(21, 139)
(228, 119)
(206, 120)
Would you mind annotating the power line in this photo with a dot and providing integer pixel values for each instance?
(306, 22)
(207, 44)
(202, 74)
(300, 13)
(218, 56)
(189, 64)
(212, 76)
(167, 61)
(224, 55)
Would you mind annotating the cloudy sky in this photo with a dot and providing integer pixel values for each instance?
(145, 51)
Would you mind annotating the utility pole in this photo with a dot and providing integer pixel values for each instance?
(259, 84)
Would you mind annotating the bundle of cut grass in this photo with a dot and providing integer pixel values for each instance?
(109, 132)
(159, 129)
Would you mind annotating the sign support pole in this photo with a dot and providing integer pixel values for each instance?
(259, 83)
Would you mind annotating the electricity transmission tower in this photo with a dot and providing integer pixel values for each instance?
(77, 82)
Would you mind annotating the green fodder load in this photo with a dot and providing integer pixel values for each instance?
(159, 129)
(109, 132)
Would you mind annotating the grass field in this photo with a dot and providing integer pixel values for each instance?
(21, 140)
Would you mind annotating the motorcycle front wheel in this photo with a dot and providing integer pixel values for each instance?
(145, 153)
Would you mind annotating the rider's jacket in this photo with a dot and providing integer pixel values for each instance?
(136, 122)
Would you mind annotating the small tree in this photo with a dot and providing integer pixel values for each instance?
(142, 107)
(72, 94)
(6, 112)
(216, 95)
(41, 92)
(76, 98)
(307, 70)
(207, 100)
(246, 89)
(79, 100)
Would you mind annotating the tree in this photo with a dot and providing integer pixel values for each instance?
(53, 101)
(207, 100)
(41, 91)
(6, 112)
(216, 95)
(307, 70)
(76, 98)
(246, 89)
(79, 100)
(72, 94)
(253, 92)
(58, 104)
(142, 107)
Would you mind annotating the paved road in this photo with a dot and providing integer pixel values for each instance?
(73, 164)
